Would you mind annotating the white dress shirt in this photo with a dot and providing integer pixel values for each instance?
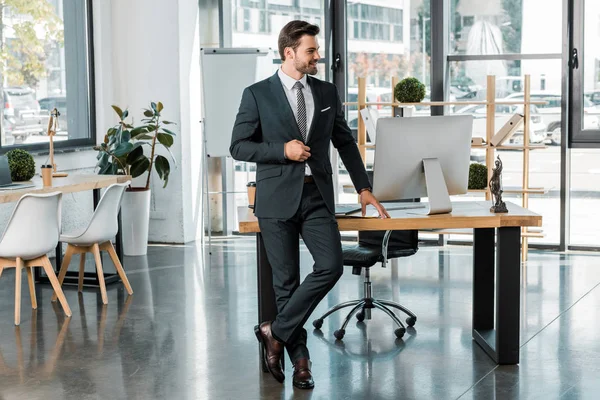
(288, 83)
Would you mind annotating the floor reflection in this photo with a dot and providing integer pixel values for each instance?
(186, 333)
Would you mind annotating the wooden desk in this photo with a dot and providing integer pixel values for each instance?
(71, 184)
(500, 342)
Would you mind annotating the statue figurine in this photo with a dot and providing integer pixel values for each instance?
(496, 189)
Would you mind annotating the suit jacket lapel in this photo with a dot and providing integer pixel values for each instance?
(288, 114)
(315, 89)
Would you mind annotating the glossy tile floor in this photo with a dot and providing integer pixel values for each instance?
(186, 333)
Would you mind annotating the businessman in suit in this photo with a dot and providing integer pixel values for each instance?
(284, 125)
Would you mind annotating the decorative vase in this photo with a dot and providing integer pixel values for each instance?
(135, 212)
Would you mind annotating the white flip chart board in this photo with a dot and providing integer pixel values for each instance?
(226, 72)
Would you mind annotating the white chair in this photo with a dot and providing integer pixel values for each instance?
(96, 237)
(32, 232)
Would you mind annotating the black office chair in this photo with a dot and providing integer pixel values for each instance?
(374, 247)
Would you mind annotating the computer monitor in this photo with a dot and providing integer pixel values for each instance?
(422, 157)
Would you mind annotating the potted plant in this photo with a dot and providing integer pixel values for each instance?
(144, 158)
(477, 176)
(132, 151)
(21, 164)
(409, 90)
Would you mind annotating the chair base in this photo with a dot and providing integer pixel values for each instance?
(95, 250)
(365, 305)
(19, 264)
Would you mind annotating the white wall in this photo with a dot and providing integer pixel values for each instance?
(147, 50)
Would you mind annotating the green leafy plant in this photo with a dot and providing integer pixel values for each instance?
(21, 164)
(151, 134)
(409, 90)
(113, 152)
(477, 176)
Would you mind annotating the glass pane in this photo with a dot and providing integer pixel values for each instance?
(386, 39)
(33, 69)
(507, 26)
(257, 23)
(590, 56)
(468, 82)
(585, 197)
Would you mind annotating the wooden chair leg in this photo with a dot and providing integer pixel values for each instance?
(81, 271)
(1, 269)
(55, 285)
(115, 259)
(18, 271)
(31, 288)
(64, 267)
(96, 251)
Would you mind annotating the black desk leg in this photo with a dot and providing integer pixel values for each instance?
(508, 294)
(501, 343)
(267, 307)
(483, 278)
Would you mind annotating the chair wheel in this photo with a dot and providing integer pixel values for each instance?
(411, 321)
(318, 323)
(360, 316)
(400, 332)
(339, 334)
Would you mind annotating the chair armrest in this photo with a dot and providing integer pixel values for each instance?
(384, 247)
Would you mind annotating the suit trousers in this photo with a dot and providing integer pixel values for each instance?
(295, 302)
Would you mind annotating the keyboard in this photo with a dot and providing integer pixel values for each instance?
(345, 209)
(16, 186)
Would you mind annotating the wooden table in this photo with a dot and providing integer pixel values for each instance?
(500, 340)
(71, 184)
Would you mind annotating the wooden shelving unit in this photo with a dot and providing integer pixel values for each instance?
(490, 104)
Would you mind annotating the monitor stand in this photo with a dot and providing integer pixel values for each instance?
(437, 191)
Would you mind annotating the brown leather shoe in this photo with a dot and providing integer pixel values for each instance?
(302, 376)
(272, 350)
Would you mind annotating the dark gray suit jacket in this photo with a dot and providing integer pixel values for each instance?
(265, 122)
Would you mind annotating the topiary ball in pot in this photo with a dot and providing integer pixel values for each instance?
(22, 165)
(477, 176)
(409, 90)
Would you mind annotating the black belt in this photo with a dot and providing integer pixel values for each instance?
(309, 179)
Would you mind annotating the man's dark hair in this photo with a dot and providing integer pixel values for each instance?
(292, 32)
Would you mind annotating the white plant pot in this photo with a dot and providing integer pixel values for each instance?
(135, 214)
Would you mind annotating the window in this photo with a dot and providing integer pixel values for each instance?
(375, 22)
(501, 27)
(47, 66)
(257, 23)
(467, 82)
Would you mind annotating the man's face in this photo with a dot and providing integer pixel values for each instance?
(306, 55)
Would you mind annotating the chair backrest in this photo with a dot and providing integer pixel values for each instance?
(104, 223)
(34, 226)
(399, 241)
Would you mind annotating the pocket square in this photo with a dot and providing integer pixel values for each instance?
(325, 109)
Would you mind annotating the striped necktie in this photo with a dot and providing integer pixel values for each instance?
(301, 118)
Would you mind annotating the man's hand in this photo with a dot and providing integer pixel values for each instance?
(295, 150)
(366, 197)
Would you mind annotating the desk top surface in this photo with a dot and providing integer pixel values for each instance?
(465, 214)
(69, 184)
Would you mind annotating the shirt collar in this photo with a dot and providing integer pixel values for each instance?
(288, 81)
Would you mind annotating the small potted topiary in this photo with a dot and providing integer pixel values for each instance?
(477, 176)
(22, 165)
(409, 90)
